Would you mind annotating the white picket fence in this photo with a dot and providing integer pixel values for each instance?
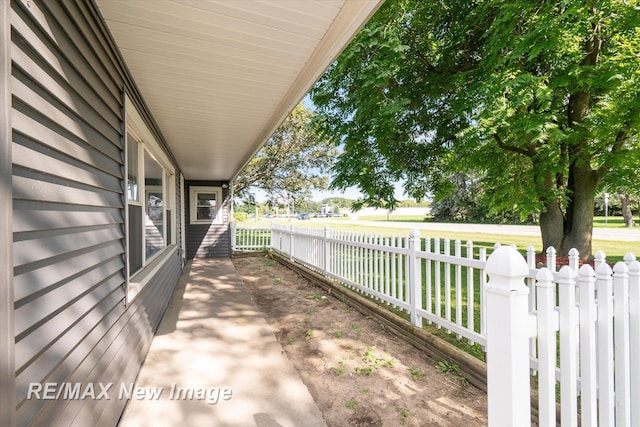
(577, 329)
(250, 237)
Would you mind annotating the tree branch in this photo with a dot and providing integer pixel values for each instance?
(511, 148)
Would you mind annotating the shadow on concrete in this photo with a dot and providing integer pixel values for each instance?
(216, 362)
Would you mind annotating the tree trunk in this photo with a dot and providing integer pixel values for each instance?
(574, 228)
(626, 210)
(552, 226)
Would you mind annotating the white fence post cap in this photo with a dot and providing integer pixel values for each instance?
(506, 261)
(507, 269)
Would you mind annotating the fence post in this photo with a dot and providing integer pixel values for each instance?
(291, 242)
(415, 277)
(232, 226)
(508, 386)
(326, 263)
(634, 334)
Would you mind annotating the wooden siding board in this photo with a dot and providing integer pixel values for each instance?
(156, 298)
(127, 347)
(60, 165)
(32, 219)
(38, 278)
(29, 185)
(68, 350)
(70, 103)
(72, 121)
(45, 25)
(123, 356)
(96, 340)
(52, 327)
(51, 135)
(86, 24)
(68, 195)
(60, 300)
(67, 92)
(7, 345)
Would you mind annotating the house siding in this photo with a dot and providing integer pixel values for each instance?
(208, 240)
(7, 381)
(70, 321)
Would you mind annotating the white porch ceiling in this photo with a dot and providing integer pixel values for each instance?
(219, 76)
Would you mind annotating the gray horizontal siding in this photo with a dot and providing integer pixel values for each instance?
(208, 240)
(204, 241)
(69, 318)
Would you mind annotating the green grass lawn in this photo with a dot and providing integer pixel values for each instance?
(610, 222)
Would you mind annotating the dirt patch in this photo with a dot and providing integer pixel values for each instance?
(357, 371)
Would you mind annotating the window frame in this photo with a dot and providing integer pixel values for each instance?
(137, 132)
(193, 204)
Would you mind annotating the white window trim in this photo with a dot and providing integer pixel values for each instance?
(193, 192)
(145, 140)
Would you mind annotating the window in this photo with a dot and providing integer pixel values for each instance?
(132, 169)
(134, 206)
(149, 199)
(150, 193)
(154, 206)
(206, 203)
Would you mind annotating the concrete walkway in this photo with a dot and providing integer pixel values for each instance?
(216, 362)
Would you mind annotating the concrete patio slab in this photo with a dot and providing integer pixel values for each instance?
(215, 361)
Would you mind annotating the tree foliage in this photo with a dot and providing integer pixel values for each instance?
(538, 98)
(294, 161)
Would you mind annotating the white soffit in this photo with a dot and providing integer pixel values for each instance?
(219, 76)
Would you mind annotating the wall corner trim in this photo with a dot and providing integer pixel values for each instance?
(7, 340)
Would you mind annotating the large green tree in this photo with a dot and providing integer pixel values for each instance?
(538, 97)
(294, 161)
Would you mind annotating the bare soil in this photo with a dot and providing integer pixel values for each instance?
(358, 373)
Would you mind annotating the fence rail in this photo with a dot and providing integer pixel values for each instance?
(247, 238)
(577, 328)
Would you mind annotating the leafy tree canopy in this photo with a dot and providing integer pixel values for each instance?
(539, 98)
(294, 161)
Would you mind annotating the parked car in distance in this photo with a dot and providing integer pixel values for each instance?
(303, 216)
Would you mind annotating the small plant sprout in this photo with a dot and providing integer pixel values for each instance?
(452, 370)
(404, 414)
(339, 370)
(416, 373)
(351, 404)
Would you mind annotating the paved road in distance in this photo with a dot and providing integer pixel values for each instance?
(616, 234)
